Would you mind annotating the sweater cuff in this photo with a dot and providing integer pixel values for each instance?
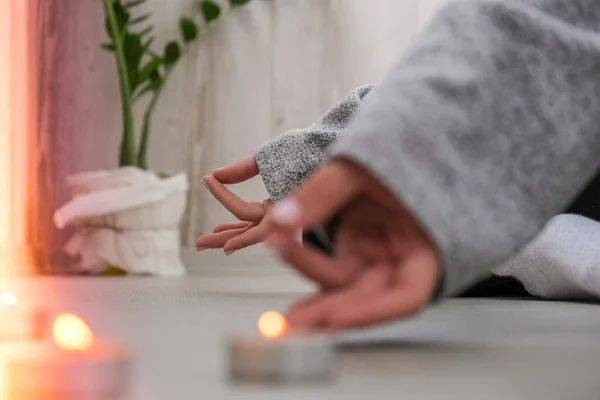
(277, 171)
(286, 161)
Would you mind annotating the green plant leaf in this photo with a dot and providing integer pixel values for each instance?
(148, 43)
(149, 68)
(146, 31)
(172, 53)
(122, 19)
(134, 3)
(189, 29)
(134, 51)
(108, 47)
(122, 16)
(154, 85)
(140, 19)
(151, 75)
(235, 3)
(210, 10)
(146, 89)
(156, 79)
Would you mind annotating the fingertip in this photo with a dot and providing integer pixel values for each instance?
(211, 183)
(230, 248)
(202, 243)
(217, 173)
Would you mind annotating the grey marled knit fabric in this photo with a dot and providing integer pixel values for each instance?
(485, 129)
(286, 161)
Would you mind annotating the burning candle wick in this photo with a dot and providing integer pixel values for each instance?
(70, 332)
(272, 325)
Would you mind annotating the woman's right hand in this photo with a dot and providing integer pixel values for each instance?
(251, 228)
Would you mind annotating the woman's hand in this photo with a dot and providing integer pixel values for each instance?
(385, 266)
(252, 228)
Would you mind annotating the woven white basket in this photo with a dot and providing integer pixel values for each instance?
(128, 218)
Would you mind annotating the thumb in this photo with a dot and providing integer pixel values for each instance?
(323, 195)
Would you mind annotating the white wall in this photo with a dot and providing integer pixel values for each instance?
(427, 9)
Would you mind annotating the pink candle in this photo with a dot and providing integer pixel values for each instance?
(74, 365)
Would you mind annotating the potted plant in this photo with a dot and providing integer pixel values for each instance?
(127, 219)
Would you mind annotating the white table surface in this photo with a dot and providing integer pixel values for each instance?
(461, 349)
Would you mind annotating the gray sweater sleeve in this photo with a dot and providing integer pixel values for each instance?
(286, 161)
(488, 126)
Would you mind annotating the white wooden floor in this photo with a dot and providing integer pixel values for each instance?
(255, 271)
(462, 349)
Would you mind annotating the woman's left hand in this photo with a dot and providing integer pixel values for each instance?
(252, 228)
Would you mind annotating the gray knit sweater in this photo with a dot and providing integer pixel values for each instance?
(486, 128)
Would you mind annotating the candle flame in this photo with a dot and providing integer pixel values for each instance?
(8, 299)
(70, 332)
(272, 325)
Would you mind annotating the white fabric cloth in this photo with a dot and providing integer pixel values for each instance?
(562, 262)
(127, 218)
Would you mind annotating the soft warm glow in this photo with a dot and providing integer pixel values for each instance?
(72, 333)
(18, 118)
(272, 325)
(6, 131)
(8, 299)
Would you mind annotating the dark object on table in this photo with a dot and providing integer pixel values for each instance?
(587, 204)
(497, 287)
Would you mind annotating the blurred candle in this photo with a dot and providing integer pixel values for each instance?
(18, 322)
(279, 355)
(74, 365)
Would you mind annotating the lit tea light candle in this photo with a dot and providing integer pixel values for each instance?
(278, 354)
(75, 365)
(18, 322)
